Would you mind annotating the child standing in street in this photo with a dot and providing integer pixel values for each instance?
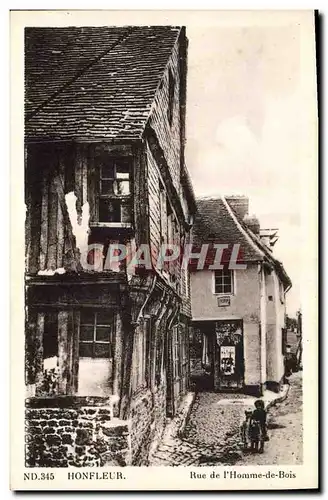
(260, 415)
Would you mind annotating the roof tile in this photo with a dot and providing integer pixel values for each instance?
(94, 82)
(214, 223)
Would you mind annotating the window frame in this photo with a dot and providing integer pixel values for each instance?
(113, 197)
(232, 281)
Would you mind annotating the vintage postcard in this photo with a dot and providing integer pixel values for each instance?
(164, 330)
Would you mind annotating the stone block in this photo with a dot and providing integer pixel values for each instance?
(115, 459)
(104, 411)
(53, 440)
(53, 423)
(86, 424)
(117, 444)
(71, 414)
(114, 430)
(80, 450)
(89, 411)
(49, 430)
(63, 423)
(35, 430)
(66, 438)
(83, 436)
(104, 418)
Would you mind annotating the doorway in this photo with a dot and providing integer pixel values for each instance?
(228, 351)
(202, 356)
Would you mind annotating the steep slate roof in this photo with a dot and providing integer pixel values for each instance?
(215, 222)
(93, 82)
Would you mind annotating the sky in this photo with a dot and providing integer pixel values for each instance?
(244, 127)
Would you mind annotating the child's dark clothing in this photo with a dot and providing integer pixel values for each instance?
(260, 416)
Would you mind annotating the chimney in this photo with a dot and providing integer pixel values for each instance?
(252, 223)
(239, 204)
(269, 237)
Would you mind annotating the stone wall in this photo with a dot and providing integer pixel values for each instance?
(148, 417)
(81, 433)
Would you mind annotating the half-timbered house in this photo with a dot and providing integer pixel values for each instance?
(106, 346)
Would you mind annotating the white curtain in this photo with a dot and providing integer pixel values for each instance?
(205, 356)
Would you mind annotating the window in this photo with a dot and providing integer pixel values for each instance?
(114, 188)
(96, 330)
(223, 281)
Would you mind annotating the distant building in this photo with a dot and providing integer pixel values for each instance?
(106, 349)
(238, 314)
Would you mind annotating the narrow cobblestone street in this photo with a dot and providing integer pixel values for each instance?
(211, 435)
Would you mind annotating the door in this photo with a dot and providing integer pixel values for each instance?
(229, 355)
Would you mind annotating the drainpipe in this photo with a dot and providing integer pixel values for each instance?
(263, 318)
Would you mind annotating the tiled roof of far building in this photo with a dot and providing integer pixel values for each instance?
(213, 222)
(93, 82)
(216, 221)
